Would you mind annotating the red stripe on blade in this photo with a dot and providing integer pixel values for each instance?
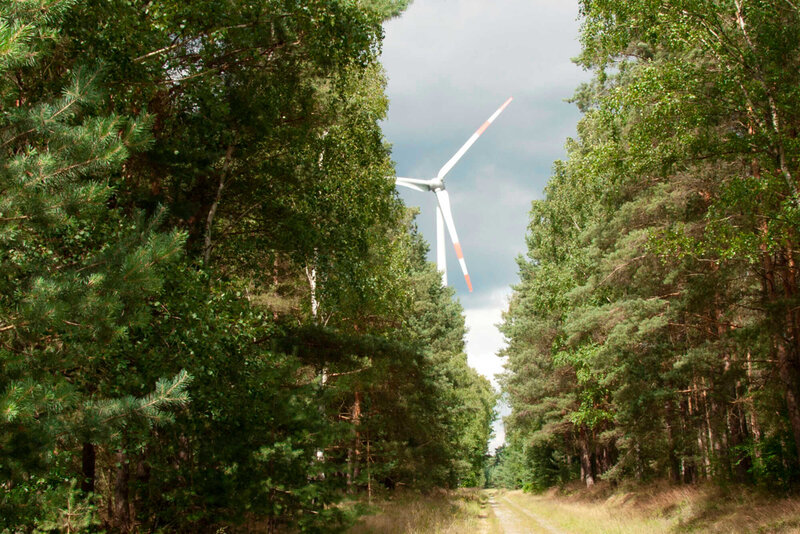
(460, 254)
(469, 283)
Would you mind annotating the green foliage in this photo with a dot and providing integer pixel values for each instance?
(430, 409)
(75, 274)
(213, 311)
(653, 331)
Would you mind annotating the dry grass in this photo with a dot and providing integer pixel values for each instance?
(662, 508)
(440, 512)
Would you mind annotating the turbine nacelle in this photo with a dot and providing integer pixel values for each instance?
(444, 216)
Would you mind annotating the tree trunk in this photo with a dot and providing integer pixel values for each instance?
(357, 444)
(738, 436)
(790, 368)
(207, 244)
(587, 472)
(674, 462)
(789, 377)
(121, 518)
(755, 428)
(311, 275)
(736, 460)
(709, 431)
(88, 464)
(785, 334)
(369, 475)
(688, 461)
(354, 452)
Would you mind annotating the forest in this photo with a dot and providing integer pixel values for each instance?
(216, 315)
(654, 332)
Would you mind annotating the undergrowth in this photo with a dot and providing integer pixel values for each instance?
(663, 507)
(437, 512)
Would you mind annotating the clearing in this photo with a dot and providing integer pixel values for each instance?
(657, 508)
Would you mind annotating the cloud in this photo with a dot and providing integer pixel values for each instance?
(471, 48)
(450, 64)
(503, 410)
(483, 339)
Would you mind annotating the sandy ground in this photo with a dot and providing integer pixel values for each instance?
(516, 520)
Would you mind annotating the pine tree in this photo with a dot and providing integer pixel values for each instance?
(653, 332)
(75, 274)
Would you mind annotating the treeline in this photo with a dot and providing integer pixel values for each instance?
(655, 332)
(215, 312)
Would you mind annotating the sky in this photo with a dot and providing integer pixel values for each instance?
(450, 65)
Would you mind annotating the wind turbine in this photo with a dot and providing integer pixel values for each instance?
(443, 213)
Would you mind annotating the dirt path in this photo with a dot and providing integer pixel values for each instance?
(516, 520)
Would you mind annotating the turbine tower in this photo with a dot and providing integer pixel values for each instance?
(444, 215)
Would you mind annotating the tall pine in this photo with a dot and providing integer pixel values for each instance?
(75, 271)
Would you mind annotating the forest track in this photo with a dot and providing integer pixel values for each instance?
(515, 519)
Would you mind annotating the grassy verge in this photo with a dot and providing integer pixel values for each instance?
(439, 512)
(662, 508)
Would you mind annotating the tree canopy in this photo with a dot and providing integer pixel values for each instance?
(654, 331)
(215, 311)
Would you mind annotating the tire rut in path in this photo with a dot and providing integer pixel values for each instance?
(508, 514)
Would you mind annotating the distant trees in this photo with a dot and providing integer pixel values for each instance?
(654, 329)
(214, 309)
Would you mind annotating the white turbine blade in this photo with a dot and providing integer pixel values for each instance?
(461, 151)
(444, 204)
(421, 185)
(410, 186)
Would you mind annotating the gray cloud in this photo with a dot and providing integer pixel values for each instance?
(450, 64)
